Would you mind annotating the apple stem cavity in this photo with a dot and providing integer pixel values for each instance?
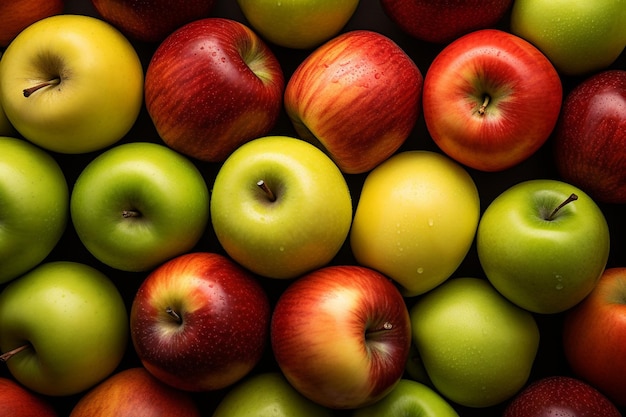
(172, 313)
(130, 213)
(31, 90)
(483, 107)
(8, 355)
(572, 197)
(263, 186)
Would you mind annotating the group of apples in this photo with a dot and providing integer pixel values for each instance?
(312, 208)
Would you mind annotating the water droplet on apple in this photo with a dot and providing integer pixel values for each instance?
(559, 286)
(431, 222)
(387, 326)
(420, 270)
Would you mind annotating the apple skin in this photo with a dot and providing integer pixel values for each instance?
(578, 37)
(302, 229)
(164, 190)
(524, 91)
(409, 398)
(17, 401)
(416, 219)
(100, 90)
(73, 319)
(477, 347)
(590, 139)
(359, 90)
(594, 336)
(341, 336)
(299, 25)
(6, 128)
(134, 392)
(227, 74)
(35, 206)
(543, 265)
(16, 15)
(223, 327)
(560, 396)
(151, 21)
(267, 394)
(442, 21)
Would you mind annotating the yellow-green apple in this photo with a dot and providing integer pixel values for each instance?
(151, 21)
(341, 335)
(139, 204)
(300, 24)
(134, 392)
(560, 396)
(63, 328)
(267, 394)
(442, 21)
(578, 37)
(200, 322)
(409, 398)
(543, 244)
(478, 348)
(590, 139)
(594, 336)
(35, 206)
(6, 128)
(211, 86)
(491, 99)
(16, 15)
(71, 84)
(359, 90)
(416, 219)
(280, 207)
(18, 401)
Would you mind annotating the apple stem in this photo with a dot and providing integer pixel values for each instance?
(31, 90)
(483, 106)
(572, 197)
(130, 213)
(8, 355)
(174, 314)
(263, 186)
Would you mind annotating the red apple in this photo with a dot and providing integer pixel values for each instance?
(560, 396)
(18, 401)
(594, 336)
(341, 336)
(590, 139)
(133, 392)
(200, 322)
(358, 96)
(16, 15)
(441, 21)
(212, 85)
(491, 99)
(154, 20)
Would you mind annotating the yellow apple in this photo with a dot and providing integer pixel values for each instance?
(416, 219)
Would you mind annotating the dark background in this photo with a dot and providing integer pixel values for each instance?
(369, 15)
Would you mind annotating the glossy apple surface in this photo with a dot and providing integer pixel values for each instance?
(578, 37)
(71, 84)
(341, 336)
(478, 348)
(74, 324)
(6, 128)
(416, 219)
(134, 392)
(18, 401)
(491, 99)
(590, 140)
(442, 21)
(594, 336)
(200, 322)
(296, 222)
(223, 71)
(359, 90)
(35, 206)
(16, 15)
(542, 255)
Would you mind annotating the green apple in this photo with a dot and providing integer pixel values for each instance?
(267, 394)
(139, 204)
(409, 398)
(34, 206)
(416, 219)
(478, 348)
(301, 24)
(280, 207)
(543, 244)
(63, 328)
(577, 36)
(71, 84)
